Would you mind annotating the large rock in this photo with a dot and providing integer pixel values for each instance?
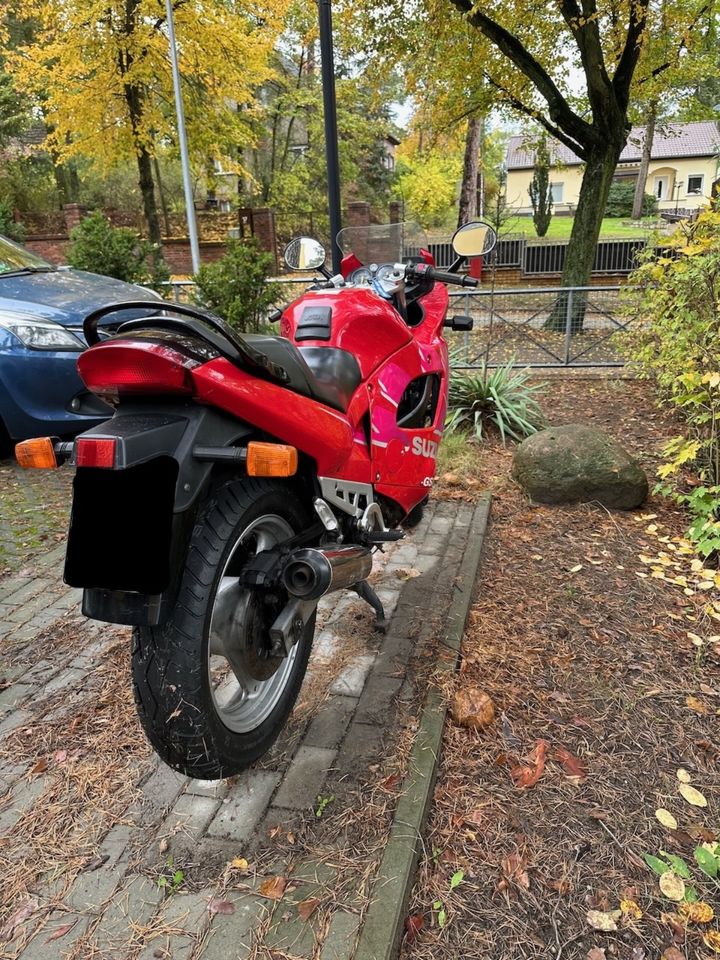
(578, 463)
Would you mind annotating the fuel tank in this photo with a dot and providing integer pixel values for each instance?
(356, 320)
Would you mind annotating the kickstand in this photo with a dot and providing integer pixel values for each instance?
(366, 593)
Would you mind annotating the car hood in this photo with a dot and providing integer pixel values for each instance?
(67, 296)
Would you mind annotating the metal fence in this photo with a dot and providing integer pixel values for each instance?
(530, 327)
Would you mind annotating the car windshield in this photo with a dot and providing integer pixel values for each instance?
(383, 243)
(14, 258)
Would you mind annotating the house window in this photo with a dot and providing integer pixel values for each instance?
(556, 191)
(695, 183)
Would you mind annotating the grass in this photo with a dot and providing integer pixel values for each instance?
(560, 228)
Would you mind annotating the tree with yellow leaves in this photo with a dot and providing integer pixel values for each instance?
(101, 70)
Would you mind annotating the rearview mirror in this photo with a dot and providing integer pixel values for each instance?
(304, 253)
(475, 239)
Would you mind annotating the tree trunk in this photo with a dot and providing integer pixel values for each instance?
(134, 100)
(467, 206)
(644, 161)
(163, 198)
(580, 251)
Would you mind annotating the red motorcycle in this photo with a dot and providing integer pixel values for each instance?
(242, 478)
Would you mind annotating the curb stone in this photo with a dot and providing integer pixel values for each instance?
(383, 927)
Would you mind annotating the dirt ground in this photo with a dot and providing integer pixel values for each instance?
(586, 654)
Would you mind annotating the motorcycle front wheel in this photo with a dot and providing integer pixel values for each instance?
(209, 694)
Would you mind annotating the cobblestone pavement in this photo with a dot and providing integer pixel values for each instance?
(106, 853)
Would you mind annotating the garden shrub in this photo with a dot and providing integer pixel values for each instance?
(677, 342)
(502, 397)
(620, 201)
(99, 247)
(236, 286)
(8, 225)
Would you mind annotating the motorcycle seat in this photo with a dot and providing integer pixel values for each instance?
(327, 374)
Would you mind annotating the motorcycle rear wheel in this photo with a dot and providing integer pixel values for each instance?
(209, 696)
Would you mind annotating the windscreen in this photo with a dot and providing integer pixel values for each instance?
(384, 242)
(14, 257)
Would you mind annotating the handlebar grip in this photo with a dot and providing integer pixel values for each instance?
(426, 272)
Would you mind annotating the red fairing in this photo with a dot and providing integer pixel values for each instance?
(348, 264)
(322, 433)
(427, 257)
(362, 323)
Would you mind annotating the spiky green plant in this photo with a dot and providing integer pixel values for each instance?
(502, 397)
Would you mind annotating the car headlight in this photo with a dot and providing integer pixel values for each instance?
(40, 334)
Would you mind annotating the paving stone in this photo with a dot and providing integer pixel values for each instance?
(11, 696)
(218, 789)
(440, 526)
(93, 887)
(190, 815)
(363, 746)
(65, 678)
(187, 915)
(329, 726)
(395, 652)
(132, 907)
(27, 609)
(29, 589)
(161, 789)
(378, 697)
(231, 934)
(11, 585)
(326, 644)
(351, 680)
(340, 940)
(40, 949)
(291, 935)
(242, 810)
(20, 801)
(305, 778)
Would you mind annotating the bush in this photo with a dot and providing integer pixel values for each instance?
(236, 286)
(676, 342)
(117, 252)
(501, 397)
(621, 197)
(8, 225)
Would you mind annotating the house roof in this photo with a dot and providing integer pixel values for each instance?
(672, 141)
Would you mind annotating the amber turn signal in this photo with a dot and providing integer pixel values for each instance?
(271, 460)
(38, 452)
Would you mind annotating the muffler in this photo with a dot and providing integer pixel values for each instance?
(309, 574)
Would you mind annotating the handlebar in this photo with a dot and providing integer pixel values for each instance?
(424, 271)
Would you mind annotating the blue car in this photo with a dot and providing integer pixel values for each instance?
(41, 312)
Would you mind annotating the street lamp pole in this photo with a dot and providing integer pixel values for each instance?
(331, 134)
(182, 140)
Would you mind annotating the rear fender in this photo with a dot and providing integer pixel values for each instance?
(130, 526)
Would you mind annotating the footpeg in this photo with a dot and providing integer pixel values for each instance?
(382, 536)
(366, 593)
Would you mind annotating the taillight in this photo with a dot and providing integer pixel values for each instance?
(95, 452)
(116, 368)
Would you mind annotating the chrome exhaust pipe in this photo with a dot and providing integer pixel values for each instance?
(311, 573)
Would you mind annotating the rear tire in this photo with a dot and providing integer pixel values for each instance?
(193, 722)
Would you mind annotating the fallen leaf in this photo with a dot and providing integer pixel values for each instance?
(563, 887)
(273, 888)
(239, 863)
(291, 839)
(699, 912)
(163, 845)
(413, 926)
(693, 796)
(525, 777)
(61, 931)
(577, 568)
(683, 776)
(712, 940)
(274, 832)
(473, 708)
(672, 886)
(666, 818)
(514, 870)
(672, 953)
(41, 766)
(574, 770)
(215, 905)
(697, 705)
(60, 756)
(22, 913)
(596, 953)
(306, 908)
(603, 919)
(630, 908)
(389, 783)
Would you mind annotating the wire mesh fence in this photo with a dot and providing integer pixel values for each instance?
(528, 327)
